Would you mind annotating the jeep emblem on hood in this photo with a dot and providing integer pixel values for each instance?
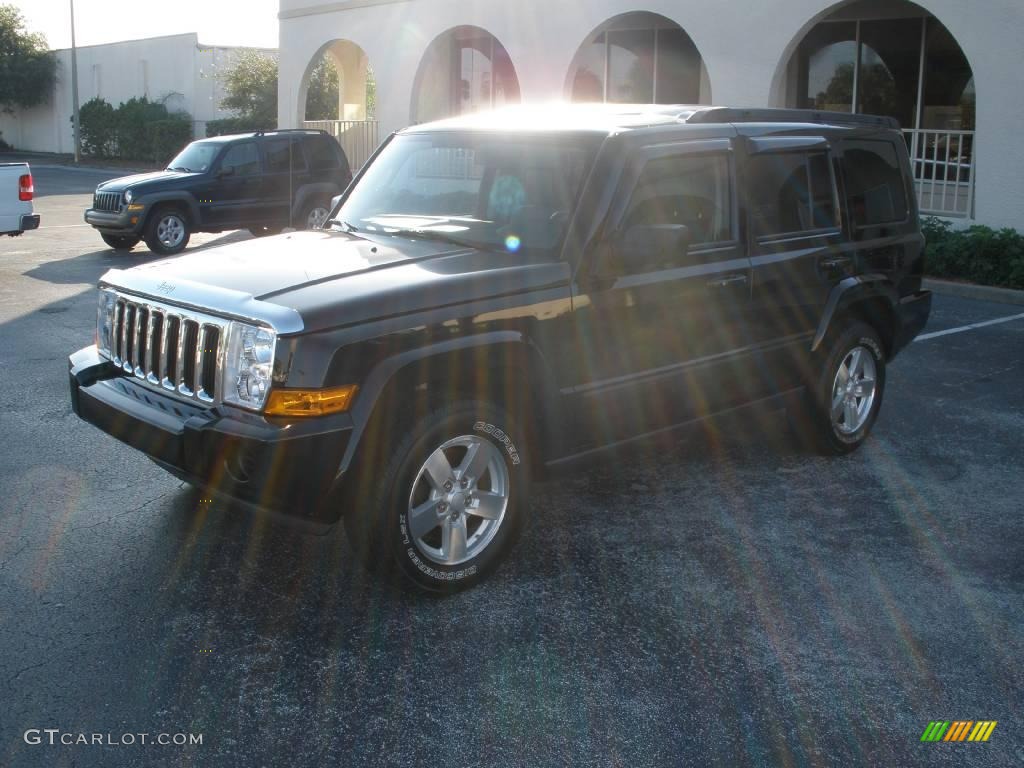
(166, 288)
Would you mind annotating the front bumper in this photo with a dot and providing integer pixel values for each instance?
(913, 312)
(116, 222)
(289, 467)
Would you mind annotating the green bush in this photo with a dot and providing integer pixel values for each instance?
(229, 125)
(978, 254)
(99, 128)
(138, 129)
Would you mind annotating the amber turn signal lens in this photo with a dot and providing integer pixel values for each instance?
(310, 402)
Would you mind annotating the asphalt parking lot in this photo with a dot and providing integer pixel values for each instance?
(724, 600)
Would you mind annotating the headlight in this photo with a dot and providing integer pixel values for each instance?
(249, 365)
(127, 195)
(105, 308)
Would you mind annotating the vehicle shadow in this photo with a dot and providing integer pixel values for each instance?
(89, 267)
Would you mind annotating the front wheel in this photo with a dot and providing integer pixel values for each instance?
(167, 232)
(121, 242)
(847, 396)
(451, 501)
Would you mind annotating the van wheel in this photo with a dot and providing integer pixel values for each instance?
(450, 502)
(167, 231)
(315, 215)
(847, 396)
(121, 242)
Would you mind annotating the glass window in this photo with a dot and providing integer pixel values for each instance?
(588, 83)
(322, 156)
(691, 190)
(485, 191)
(196, 157)
(284, 155)
(949, 98)
(874, 183)
(827, 60)
(791, 192)
(243, 158)
(890, 61)
(631, 66)
(678, 70)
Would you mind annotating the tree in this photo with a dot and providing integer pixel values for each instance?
(28, 69)
(322, 97)
(251, 87)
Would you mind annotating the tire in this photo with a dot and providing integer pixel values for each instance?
(841, 410)
(450, 502)
(264, 231)
(314, 215)
(121, 242)
(167, 231)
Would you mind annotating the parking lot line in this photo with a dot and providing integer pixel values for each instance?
(971, 327)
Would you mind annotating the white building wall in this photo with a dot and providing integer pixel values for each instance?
(746, 45)
(176, 69)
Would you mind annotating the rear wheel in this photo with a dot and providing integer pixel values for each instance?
(315, 215)
(450, 503)
(167, 231)
(846, 397)
(121, 242)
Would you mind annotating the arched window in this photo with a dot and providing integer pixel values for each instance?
(466, 69)
(639, 58)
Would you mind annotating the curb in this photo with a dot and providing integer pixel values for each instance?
(972, 291)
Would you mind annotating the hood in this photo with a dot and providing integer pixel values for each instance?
(136, 180)
(332, 279)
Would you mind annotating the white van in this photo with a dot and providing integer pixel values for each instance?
(16, 193)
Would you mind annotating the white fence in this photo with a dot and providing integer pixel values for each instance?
(943, 163)
(359, 138)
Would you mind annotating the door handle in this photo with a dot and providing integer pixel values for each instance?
(726, 281)
(836, 262)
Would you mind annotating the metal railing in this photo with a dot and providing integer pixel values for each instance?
(359, 138)
(943, 163)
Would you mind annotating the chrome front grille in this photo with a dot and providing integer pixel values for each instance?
(177, 350)
(107, 201)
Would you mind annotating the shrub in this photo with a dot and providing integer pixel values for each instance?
(167, 137)
(98, 128)
(979, 254)
(229, 125)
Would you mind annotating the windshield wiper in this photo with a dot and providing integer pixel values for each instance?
(433, 234)
(348, 227)
(180, 168)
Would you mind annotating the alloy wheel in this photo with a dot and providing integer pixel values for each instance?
(853, 392)
(170, 230)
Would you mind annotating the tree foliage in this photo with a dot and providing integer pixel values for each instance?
(138, 129)
(251, 88)
(322, 97)
(28, 69)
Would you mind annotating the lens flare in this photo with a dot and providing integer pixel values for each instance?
(513, 243)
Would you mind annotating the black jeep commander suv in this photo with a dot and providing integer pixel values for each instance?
(502, 293)
(262, 182)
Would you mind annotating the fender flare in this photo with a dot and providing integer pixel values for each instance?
(324, 189)
(384, 373)
(850, 291)
(151, 201)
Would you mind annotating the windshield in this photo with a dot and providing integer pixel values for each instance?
(196, 157)
(487, 191)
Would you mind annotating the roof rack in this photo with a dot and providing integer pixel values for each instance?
(291, 130)
(767, 115)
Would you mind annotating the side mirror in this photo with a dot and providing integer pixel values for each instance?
(224, 172)
(335, 200)
(646, 248)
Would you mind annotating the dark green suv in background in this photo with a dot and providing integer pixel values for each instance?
(262, 182)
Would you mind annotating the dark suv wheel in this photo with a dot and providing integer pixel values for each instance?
(314, 215)
(450, 502)
(847, 395)
(167, 231)
(121, 242)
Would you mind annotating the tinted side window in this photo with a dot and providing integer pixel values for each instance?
(692, 189)
(244, 158)
(874, 183)
(791, 192)
(322, 155)
(282, 155)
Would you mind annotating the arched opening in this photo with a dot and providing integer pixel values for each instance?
(465, 69)
(338, 94)
(895, 58)
(639, 58)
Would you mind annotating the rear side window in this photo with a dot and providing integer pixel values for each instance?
(791, 192)
(244, 158)
(284, 155)
(323, 153)
(874, 183)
